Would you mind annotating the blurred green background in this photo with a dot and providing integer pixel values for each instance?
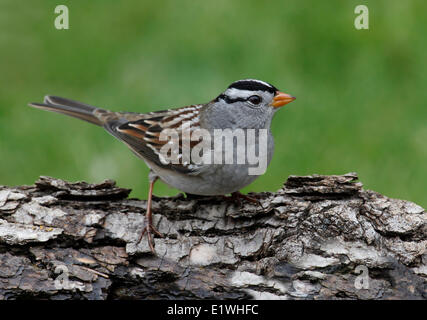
(361, 103)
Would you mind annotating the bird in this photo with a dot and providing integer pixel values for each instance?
(245, 104)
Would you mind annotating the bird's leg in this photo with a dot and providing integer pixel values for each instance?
(149, 228)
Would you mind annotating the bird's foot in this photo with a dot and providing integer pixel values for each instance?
(238, 197)
(150, 230)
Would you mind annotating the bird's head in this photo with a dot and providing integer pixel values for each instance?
(249, 103)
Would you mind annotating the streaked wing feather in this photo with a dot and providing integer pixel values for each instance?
(141, 133)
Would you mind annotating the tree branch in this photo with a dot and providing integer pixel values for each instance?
(319, 237)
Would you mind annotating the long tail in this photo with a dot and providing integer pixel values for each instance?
(69, 107)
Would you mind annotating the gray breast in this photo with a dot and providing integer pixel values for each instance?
(218, 179)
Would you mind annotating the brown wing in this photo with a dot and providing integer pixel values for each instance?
(141, 133)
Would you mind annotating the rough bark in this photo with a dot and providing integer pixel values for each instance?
(319, 237)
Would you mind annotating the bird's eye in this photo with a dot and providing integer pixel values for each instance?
(255, 99)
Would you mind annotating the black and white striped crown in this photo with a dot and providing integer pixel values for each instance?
(253, 85)
(241, 90)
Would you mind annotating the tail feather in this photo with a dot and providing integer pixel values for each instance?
(69, 107)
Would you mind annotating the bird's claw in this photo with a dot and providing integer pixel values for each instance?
(238, 197)
(150, 230)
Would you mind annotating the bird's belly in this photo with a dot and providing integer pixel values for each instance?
(216, 179)
(219, 180)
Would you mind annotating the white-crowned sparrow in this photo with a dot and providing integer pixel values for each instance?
(245, 104)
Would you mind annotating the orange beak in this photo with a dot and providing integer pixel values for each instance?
(280, 99)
